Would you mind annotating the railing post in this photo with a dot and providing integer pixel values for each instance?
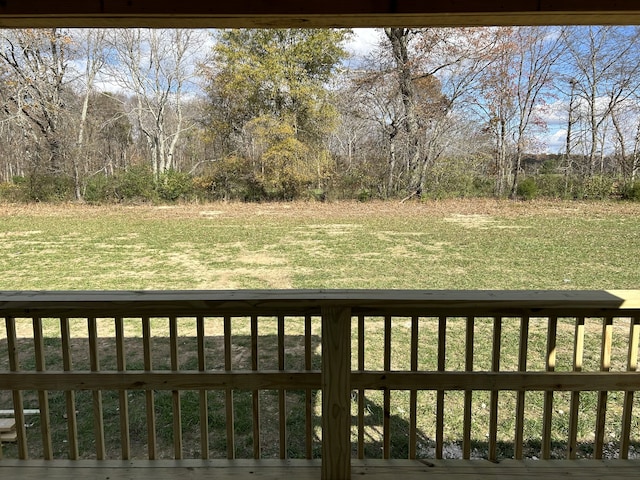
(336, 393)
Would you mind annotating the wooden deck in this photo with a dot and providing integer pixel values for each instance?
(401, 375)
(310, 469)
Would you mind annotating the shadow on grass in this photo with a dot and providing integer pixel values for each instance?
(296, 404)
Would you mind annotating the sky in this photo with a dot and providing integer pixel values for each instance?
(554, 114)
(364, 41)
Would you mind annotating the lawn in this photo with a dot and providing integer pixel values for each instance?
(471, 244)
(475, 244)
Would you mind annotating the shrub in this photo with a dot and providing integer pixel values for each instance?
(173, 185)
(482, 187)
(364, 195)
(527, 189)
(317, 194)
(48, 188)
(101, 188)
(10, 192)
(553, 185)
(597, 187)
(631, 191)
(136, 183)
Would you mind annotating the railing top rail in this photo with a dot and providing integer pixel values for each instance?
(300, 302)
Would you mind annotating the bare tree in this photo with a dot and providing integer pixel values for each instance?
(37, 62)
(434, 70)
(90, 49)
(604, 67)
(155, 66)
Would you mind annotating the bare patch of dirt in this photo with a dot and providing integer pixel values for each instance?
(341, 209)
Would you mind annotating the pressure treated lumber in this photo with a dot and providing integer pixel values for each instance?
(310, 469)
(312, 13)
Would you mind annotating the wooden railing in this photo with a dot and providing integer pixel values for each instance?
(330, 374)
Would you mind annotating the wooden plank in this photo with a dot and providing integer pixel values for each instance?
(149, 394)
(632, 366)
(7, 437)
(310, 469)
(123, 395)
(43, 395)
(413, 394)
(308, 404)
(98, 415)
(493, 403)
(228, 393)
(361, 392)
(256, 392)
(386, 394)
(605, 365)
(282, 407)
(442, 350)
(70, 395)
(175, 394)
(462, 303)
(548, 395)
(468, 393)
(336, 389)
(204, 405)
(292, 380)
(312, 13)
(578, 354)
(7, 425)
(523, 351)
(18, 406)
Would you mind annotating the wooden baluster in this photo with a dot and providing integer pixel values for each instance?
(413, 394)
(256, 393)
(442, 349)
(308, 393)
(43, 395)
(548, 395)
(149, 394)
(70, 395)
(605, 365)
(493, 403)
(361, 391)
(468, 394)
(336, 398)
(520, 397)
(632, 366)
(98, 416)
(18, 404)
(386, 409)
(123, 399)
(578, 354)
(204, 404)
(282, 405)
(175, 394)
(231, 451)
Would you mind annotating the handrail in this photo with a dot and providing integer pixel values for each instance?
(423, 321)
(270, 302)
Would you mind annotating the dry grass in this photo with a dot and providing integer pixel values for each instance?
(347, 209)
(447, 244)
(454, 244)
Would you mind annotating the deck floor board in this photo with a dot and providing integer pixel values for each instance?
(310, 469)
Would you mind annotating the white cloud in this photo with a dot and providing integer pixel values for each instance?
(363, 42)
(556, 141)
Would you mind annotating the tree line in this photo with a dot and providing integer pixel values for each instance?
(111, 115)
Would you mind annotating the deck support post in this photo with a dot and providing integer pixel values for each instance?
(336, 393)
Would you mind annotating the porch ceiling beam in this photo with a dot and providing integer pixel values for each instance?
(313, 13)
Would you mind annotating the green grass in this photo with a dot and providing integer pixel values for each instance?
(416, 246)
(456, 245)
